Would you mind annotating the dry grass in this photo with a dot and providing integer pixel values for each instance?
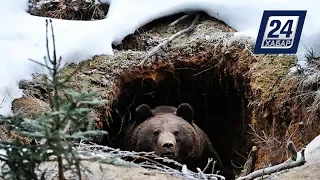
(307, 91)
(262, 139)
(6, 135)
(269, 75)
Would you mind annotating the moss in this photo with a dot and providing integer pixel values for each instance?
(268, 74)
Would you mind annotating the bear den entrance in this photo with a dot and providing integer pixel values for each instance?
(218, 100)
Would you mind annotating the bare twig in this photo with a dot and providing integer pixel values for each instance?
(213, 166)
(105, 154)
(171, 38)
(240, 154)
(208, 164)
(1, 104)
(236, 166)
(203, 71)
(201, 174)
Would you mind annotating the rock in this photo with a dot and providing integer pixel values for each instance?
(29, 105)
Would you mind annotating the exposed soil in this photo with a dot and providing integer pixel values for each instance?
(240, 99)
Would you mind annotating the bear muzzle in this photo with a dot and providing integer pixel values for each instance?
(167, 145)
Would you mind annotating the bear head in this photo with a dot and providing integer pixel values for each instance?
(166, 130)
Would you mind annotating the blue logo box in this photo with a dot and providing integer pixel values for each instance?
(280, 32)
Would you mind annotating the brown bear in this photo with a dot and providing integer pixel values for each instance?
(170, 132)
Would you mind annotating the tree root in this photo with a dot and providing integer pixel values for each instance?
(171, 38)
(294, 161)
(178, 20)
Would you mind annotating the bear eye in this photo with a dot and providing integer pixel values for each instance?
(176, 133)
(156, 133)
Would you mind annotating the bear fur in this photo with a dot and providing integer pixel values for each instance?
(170, 132)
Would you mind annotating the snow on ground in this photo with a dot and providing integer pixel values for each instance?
(313, 151)
(22, 36)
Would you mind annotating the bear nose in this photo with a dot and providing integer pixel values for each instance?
(166, 142)
(167, 145)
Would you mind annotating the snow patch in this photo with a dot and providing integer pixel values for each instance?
(312, 152)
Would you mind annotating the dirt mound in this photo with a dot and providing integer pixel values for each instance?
(241, 99)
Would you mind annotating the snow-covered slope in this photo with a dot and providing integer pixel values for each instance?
(22, 36)
(313, 151)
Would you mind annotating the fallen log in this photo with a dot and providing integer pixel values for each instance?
(293, 161)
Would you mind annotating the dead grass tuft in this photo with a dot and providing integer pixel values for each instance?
(308, 83)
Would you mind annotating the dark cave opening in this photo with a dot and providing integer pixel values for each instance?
(218, 100)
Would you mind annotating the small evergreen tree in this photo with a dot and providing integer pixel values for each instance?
(59, 128)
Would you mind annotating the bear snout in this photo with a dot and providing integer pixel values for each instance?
(167, 145)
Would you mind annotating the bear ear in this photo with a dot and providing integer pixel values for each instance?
(143, 112)
(185, 111)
